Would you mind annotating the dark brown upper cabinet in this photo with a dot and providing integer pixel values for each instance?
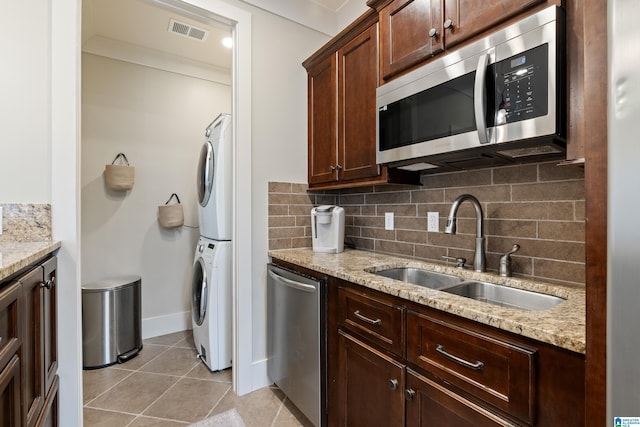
(412, 31)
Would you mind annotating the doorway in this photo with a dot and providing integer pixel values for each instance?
(237, 22)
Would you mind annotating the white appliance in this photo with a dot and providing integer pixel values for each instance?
(327, 229)
(215, 174)
(211, 299)
(211, 289)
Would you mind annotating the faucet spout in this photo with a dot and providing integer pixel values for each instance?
(479, 259)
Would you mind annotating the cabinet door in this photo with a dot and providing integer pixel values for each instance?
(322, 121)
(49, 416)
(50, 325)
(470, 17)
(371, 386)
(10, 394)
(10, 322)
(405, 28)
(430, 404)
(357, 82)
(32, 346)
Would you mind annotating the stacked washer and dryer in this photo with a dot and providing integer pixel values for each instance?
(211, 289)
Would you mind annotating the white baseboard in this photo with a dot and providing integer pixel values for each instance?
(259, 374)
(168, 324)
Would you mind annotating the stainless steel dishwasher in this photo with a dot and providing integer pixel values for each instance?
(296, 339)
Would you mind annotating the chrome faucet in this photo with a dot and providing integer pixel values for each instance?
(479, 259)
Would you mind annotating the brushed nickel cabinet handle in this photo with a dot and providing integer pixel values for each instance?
(393, 384)
(376, 322)
(477, 365)
(409, 394)
(448, 24)
(48, 284)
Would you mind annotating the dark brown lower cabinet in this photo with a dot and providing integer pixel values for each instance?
(430, 404)
(452, 372)
(371, 385)
(39, 349)
(28, 348)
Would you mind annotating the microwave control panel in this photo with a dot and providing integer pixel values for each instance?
(522, 86)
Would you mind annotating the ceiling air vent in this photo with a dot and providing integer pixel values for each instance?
(187, 30)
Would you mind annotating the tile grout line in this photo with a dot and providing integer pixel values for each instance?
(181, 377)
(131, 372)
(85, 405)
(184, 376)
(181, 344)
(273, 423)
(218, 402)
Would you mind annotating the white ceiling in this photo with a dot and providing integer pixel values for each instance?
(144, 24)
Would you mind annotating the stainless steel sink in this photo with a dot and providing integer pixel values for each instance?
(505, 296)
(417, 276)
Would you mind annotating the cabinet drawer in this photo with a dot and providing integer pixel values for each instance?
(499, 372)
(427, 400)
(10, 326)
(375, 318)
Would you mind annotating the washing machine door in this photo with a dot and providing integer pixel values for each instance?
(199, 292)
(206, 171)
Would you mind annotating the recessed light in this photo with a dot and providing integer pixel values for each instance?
(227, 42)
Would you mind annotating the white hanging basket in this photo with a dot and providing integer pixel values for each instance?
(119, 177)
(171, 216)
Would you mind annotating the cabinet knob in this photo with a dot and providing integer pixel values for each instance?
(409, 394)
(448, 24)
(393, 384)
(339, 167)
(48, 284)
(433, 33)
(332, 168)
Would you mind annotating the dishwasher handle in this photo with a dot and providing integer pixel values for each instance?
(292, 283)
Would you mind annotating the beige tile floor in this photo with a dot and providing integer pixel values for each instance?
(166, 386)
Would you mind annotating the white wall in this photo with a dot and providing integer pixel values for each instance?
(313, 15)
(157, 119)
(279, 142)
(39, 83)
(349, 12)
(40, 125)
(25, 110)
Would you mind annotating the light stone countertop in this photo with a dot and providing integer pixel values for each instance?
(14, 256)
(562, 325)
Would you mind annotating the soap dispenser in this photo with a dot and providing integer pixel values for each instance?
(505, 261)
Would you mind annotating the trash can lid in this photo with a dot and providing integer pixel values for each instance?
(111, 283)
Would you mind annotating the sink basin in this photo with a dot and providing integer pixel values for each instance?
(505, 296)
(417, 276)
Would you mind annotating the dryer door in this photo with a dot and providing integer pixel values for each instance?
(206, 171)
(199, 292)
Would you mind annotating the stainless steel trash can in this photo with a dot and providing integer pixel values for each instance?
(111, 321)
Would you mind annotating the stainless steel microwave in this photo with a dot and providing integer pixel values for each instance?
(497, 100)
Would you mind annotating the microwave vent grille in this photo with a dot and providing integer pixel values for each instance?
(530, 151)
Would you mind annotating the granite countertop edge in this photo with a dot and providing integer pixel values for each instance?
(563, 326)
(14, 256)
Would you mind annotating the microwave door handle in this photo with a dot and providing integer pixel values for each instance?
(479, 98)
